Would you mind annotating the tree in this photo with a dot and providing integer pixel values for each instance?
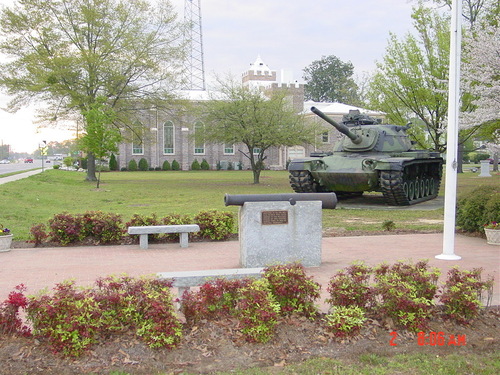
(475, 11)
(330, 80)
(100, 138)
(66, 53)
(249, 117)
(412, 80)
(481, 80)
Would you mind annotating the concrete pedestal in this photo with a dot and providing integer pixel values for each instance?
(278, 232)
(485, 168)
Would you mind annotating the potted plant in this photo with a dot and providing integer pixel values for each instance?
(5, 239)
(492, 232)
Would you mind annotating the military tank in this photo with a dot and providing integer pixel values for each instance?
(370, 157)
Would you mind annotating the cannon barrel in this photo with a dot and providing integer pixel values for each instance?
(356, 139)
(328, 200)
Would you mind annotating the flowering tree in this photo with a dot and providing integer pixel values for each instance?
(481, 80)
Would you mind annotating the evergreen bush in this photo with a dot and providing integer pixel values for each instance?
(166, 166)
(113, 164)
(478, 207)
(175, 165)
(195, 165)
(204, 165)
(132, 165)
(143, 165)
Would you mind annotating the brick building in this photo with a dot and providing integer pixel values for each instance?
(169, 136)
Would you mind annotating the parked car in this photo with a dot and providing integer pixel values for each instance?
(4, 161)
(491, 161)
(28, 160)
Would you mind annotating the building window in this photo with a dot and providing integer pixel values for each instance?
(256, 150)
(137, 144)
(325, 137)
(199, 147)
(228, 149)
(168, 138)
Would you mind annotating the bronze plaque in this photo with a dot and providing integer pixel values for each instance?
(274, 217)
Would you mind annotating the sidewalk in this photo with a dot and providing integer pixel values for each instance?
(40, 268)
(19, 176)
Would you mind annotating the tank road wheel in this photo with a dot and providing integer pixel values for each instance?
(302, 182)
(418, 181)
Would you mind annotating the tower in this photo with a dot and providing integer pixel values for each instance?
(194, 68)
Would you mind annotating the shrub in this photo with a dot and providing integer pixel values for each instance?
(461, 294)
(351, 287)
(65, 228)
(474, 208)
(113, 164)
(204, 165)
(138, 220)
(195, 165)
(68, 320)
(123, 169)
(71, 320)
(83, 163)
(38, 233)
(132, 165)
(407, 292)
(56, 166)
(68, 161)
(250, 301)
(215, 225)
(104, 228)
(175, 219)
(215, 299)
(10, 320)
(345, 321)
(143, 165)
(166, 166)
(292, 289)
(257, 311)
(175, 165)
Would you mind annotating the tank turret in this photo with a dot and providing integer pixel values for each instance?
(371, 157)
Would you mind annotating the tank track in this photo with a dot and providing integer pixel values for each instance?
(417, 182)
(302, 182)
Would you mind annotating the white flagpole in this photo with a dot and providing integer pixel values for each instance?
(450, 194)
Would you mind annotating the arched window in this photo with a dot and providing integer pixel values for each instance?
(199, 146)
(168, 138)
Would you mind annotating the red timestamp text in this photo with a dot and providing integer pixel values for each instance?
(434, 339)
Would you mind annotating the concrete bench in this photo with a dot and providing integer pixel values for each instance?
(144, 231)
(184, 280)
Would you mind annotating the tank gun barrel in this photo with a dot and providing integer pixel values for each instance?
(356, 139)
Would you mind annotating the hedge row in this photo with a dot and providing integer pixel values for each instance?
(99, 228)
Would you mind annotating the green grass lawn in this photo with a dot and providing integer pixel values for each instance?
(36, 199)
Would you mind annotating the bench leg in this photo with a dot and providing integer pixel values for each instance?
(184, 239)
(143, 241)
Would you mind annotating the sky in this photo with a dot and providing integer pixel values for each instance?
(286, 34)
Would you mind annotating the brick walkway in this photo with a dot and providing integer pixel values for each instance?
(40, 268)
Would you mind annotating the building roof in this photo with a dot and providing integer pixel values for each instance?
(337, 108)
(260, 66)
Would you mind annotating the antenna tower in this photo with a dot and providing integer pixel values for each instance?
(194, 70)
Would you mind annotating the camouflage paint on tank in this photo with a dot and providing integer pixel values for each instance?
(358, 160)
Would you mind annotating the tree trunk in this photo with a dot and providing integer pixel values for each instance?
(256, 175)
(91, 167)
